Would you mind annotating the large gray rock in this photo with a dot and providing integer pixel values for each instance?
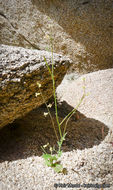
(81, 29)
(98, 104)
(20, 70)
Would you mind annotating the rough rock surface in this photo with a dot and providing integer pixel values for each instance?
(81, 29)
(99, 102)
(20, 70)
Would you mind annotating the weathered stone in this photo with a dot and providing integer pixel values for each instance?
(98, 104)
(20, 70)
(81, 29)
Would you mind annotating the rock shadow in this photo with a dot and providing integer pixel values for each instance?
(24, 137)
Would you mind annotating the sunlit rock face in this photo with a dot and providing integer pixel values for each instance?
(81, 29)
(98, 101)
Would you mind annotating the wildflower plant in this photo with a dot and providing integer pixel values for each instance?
(52, 158)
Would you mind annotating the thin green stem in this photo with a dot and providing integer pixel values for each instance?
(55, 100)
(43, 150)
(48, 66)
(49, 115)
(71, 113)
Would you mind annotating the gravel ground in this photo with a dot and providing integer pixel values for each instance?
(88, 166)
(87, 157)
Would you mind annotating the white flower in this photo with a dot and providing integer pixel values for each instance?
(51, 149)
(39, 85)
(44, 146)
(49, 105)
(46, 113)
(37, 94)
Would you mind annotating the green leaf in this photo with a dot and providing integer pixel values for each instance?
(48, 163)
(49, 159)
(58, 168)
(53, 157)
(49, 156)
(46, 156)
